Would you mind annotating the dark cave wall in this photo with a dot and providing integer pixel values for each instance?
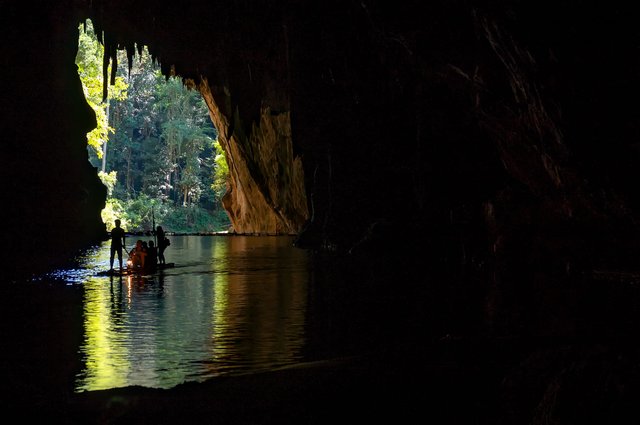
(265, 192)
(484, 133)
(51, 197)
(501, 120)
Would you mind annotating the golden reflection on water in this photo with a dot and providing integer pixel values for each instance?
(220, 302)
(260, 311)
(238, 305)
(107, 361)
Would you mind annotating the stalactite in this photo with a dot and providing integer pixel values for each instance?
(97, 29)
(166, 70)
(113, 52)
(131, 50)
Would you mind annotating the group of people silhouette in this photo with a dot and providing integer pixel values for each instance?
(144, 255)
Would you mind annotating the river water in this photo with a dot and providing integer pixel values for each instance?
(231, 305)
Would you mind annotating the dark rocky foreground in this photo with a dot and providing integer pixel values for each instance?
(345, 391)
(457, 383)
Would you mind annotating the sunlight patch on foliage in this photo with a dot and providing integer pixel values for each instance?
(221, 172)
(114, 210)
(109, 180)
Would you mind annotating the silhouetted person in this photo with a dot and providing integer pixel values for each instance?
(162, 244)
(117, 243)
(138, 255)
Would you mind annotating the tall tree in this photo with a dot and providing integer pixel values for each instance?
(187, 132)
(136, 124)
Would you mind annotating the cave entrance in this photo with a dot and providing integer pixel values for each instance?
(154, 146)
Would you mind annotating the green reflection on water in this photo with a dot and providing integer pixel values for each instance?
(220, 301)
(107, 361)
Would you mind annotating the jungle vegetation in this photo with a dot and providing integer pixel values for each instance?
(154, 146)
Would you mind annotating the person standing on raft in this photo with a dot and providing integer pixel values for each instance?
(162, 244)
(117, 244)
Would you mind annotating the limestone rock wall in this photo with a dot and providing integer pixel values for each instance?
(266, 191)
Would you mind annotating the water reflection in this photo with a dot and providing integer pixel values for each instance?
(231, 305)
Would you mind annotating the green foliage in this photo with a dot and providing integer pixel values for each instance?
(142, 212)
(113, 210)
(109, 180)
(221, 172)
(187, 133)
(195, 219)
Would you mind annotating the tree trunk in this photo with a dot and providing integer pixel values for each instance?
(128, 177)
(104, 142)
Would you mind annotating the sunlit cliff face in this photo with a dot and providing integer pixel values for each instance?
(266, 191)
